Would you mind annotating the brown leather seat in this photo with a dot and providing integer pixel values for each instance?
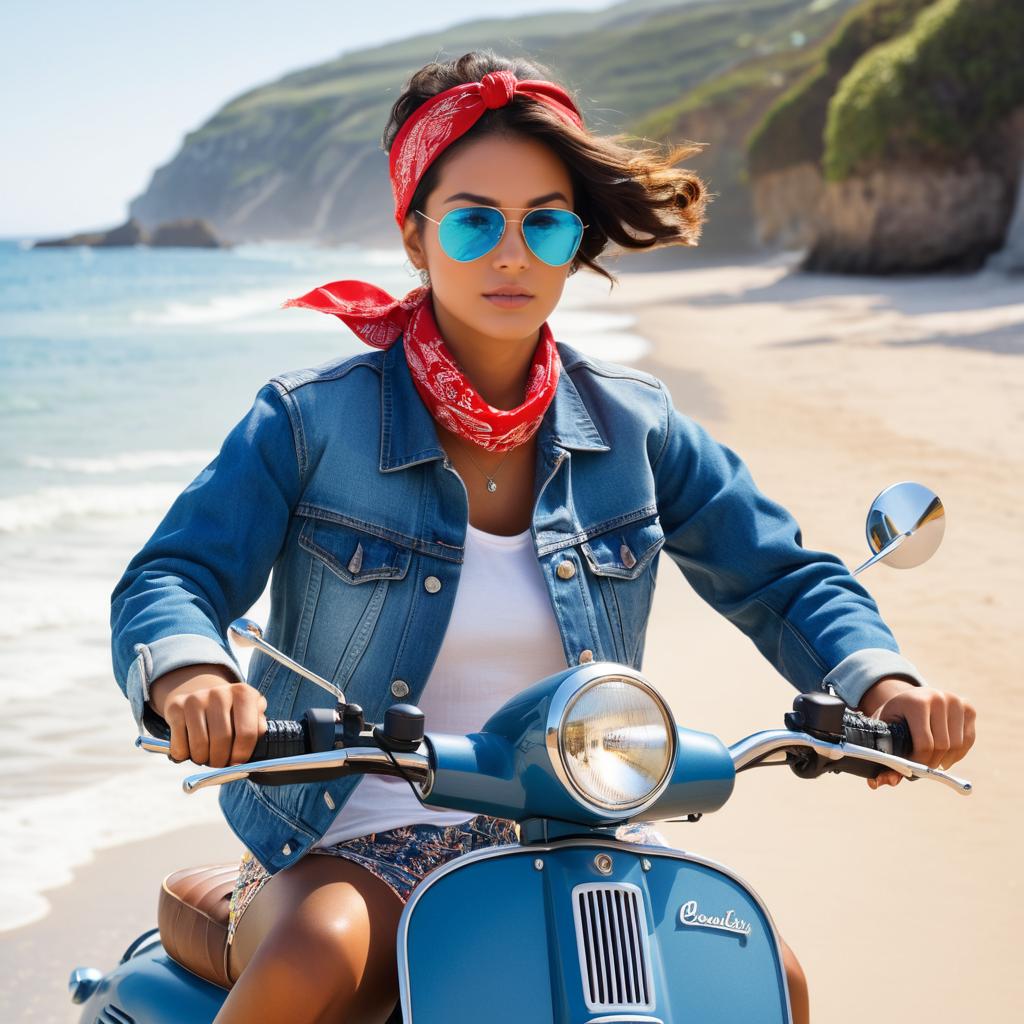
(193, 918)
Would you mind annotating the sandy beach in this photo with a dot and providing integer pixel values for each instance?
(902, 900)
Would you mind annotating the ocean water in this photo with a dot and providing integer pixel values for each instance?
(120, 372)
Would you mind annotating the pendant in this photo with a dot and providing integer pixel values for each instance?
(491, 485)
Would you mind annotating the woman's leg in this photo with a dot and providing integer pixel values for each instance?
(315, 945)
(797, 982)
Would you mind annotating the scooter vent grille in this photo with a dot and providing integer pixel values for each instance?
(611, 936)
(111, 1014)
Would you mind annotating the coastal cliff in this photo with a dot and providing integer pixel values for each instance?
(301, 157)
(903, 150)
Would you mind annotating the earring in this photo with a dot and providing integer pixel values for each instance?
(411, 270)
(424, 277)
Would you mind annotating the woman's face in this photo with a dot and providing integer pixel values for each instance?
(506, 172)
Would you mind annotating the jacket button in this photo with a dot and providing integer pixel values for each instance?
(586, 657)
(356, 561)
(432, 584)
(566, 570)
(399, 688)
(627, 556)
(286, 850)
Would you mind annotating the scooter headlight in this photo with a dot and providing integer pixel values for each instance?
(616, 742)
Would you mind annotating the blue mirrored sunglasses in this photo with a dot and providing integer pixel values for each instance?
(469, 232)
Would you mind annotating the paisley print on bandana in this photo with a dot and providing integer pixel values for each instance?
(380, 319)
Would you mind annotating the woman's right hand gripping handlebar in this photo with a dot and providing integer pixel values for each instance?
(214, 719)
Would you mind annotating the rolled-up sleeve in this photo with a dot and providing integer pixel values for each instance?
(209, 558)
(743, 554)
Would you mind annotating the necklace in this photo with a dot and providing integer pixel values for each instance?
(491, 485)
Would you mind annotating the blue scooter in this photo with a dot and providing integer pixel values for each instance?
(600, 931)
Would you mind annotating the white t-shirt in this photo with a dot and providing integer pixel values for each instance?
(502, 638)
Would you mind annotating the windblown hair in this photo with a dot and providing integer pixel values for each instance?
(634, 197)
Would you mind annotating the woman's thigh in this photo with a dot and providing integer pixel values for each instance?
(316, 943)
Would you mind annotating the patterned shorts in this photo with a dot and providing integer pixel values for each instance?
(401, 857)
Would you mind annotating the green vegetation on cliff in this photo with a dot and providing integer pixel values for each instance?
(792, 131)
(301, 154)
(931, 94)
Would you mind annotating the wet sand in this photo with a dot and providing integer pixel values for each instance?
(903, 900)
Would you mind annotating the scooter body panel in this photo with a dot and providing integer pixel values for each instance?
(154, 989)
(542, 933)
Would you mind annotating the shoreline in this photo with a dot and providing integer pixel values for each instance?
(92, 919)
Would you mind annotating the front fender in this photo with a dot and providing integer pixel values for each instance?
(540, 933)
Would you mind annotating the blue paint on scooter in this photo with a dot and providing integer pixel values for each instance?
(151, 988)
(523, 964)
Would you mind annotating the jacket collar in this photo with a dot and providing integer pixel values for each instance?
(408, 435)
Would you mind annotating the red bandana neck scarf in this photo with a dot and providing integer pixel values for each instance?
(380, 319)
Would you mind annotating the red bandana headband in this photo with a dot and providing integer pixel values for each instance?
(380, 319)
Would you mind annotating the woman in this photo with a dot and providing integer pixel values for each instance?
(454, 517)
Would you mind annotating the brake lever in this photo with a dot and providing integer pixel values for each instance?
(367, 760)
(762, 744)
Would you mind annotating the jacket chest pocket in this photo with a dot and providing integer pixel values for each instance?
(351, 574)
(354, 555)
(620, 562)
(626, 551)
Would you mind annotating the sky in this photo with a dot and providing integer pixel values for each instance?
(94, 96)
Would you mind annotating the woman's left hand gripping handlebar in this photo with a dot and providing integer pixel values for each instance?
(941, 723)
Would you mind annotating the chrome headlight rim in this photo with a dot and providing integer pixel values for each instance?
(561, 703)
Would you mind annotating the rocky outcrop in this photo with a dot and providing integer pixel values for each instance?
(912, 161)
(191, 233)
(786, 206)
(129, 233)
(914, 217)
(911, 219)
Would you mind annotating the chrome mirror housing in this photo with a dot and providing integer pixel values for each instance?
(904, 526)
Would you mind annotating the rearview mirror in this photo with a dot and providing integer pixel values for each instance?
(905, 526)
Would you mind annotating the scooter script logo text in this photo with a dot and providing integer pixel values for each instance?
(689, 913)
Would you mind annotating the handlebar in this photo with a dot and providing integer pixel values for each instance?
(865, 747)
(293, 752)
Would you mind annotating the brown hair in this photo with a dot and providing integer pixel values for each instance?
(634, 197)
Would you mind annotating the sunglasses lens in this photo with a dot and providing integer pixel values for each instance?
(553, 235)
(469, 232)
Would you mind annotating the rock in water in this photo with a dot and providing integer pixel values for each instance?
(192, 232)
(129, 233)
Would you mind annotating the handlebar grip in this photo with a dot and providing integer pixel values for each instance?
(887, 737)
(857, 729)
(284, 738)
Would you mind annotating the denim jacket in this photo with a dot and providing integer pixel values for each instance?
(335, 485)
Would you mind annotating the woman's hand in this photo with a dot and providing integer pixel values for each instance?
(941, 724)
(215, 720)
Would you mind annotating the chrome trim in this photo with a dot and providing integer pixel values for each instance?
(83, 982)
(623, 847)
(626, 1018)
(568, 693)
(635, 956)
(762, 744)
(153, 745)
(370, 760)
(247, 633)
(879, 555)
